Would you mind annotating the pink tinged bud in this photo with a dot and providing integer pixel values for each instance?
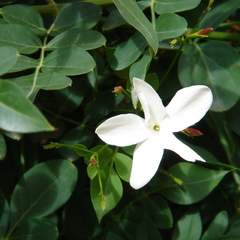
(117, 90)
(205, 31)
(191, 132)
(93, 161)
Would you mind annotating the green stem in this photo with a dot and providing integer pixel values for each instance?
(228, 24)
(203, 15)
(153, 16)
(52, 2)
(58, 145)
(38, 68)
(103, 204)
(53, 9)
(172, 63)
(233, 37)
(57, 116)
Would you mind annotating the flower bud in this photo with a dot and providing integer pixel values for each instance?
(191, 132)
(117, 90)
(173, 42)
(205, 31)
(93, 161)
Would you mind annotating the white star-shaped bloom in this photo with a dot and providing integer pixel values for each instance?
(154, 133)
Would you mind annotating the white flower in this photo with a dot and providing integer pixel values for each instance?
(155, 133)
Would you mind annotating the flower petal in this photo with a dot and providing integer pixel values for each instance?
(123, 130)
(153, 108)
(188, 106)
(170, 142)
(146, 159)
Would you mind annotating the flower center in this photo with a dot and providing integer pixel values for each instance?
(156, 128)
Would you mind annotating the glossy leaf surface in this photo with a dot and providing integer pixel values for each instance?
(128, 52)
(168, 6)
(26, 16)
(7, 62)
(84, 38)
(69, 61)
(189, 226)
(219, 14)
(20, 37)
(123, 165)
(31, 199)
(132, 14)
(36, 229)
(76, 15)
(210, 64)
(217, 227)
(105, 201)
(139, 68)
(18, 114)
(159, 211)
(198, 182)
(45, 81)
(23, 62)
(170, 25)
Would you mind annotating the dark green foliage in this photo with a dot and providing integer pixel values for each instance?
(59, 65)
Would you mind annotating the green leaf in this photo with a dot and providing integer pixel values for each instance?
(123, 165)
(198, 182)
(139, 69)
(131, 12)
(129, 223)
(189, 226)
(153, 80)
(36, 229)
(100, 107)
(114, 20)
(170, 25)
(129, 149)
(147, 230)
(45, 81)
(23, 63)
(79, 135)
(76, 15)
(8, 59)
(233, 231)
(3, 147)
(171, 6)
(219, 14)
(217, 227)
(128, 52)
(18, 114)
(105, 201)
(69, 99)
(19, 37)
(4, 215)
(159, 211)
(69, 61)
(42, 190)
(92, 171)
(26, 16)
(81, 150)
(84, 38)
(80, 218)
(105, 156)
(210, 64)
